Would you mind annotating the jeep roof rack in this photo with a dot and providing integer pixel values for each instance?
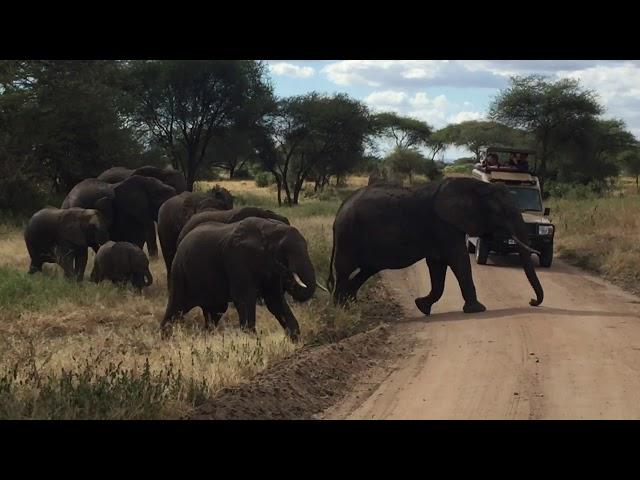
(510, 150)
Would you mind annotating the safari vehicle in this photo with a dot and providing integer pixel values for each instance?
(506, 165)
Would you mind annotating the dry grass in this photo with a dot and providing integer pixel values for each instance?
(94, 351)
(601, 234)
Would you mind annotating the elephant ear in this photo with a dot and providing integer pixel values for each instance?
(72, 229)
(465, 204)
(189, 207)
(131, 197)
(105, 206)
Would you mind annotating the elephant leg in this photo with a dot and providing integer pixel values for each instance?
(175, 308)
(80, 263)
(244, 299)
(357, 281)
(36, 265)
(344, 267)
(277, 305)
(458, 259)
(95, 273)
(437, 274)
(211, 318)
(152, 245)
(65, 260)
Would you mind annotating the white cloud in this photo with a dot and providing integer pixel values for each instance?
(291, 70)
(408, 73)
(436, 111)
(385, 98)
(465, 117)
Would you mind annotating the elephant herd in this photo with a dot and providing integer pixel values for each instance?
(215, 254)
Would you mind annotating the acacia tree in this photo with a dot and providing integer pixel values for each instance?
(312, 136)
(475, 134)
(409, 161)
(630, 161)
(541, 106)
(587, 151)
(404, 132)
(184, 104)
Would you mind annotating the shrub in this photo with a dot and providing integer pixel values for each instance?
(263, 179)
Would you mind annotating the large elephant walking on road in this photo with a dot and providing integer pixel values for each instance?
(390, 227)
(171, 177)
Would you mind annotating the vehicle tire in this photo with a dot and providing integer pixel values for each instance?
(546, 256)
(482, 252)
(471, 248)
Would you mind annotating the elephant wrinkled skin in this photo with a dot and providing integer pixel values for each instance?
(218, 263)
(175, 213)
(129, 206)
(122, 262)
(62, 236)
(168, 176)
(390, 227)
(228, 216)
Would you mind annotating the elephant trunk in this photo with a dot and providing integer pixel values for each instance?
(525, 257)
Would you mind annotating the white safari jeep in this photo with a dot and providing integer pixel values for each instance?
(498, 165)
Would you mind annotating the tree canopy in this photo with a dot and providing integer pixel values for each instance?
(184, 104)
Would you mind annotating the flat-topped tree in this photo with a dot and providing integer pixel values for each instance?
(539, 106)
(184, 104)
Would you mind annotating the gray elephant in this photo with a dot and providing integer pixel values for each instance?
(228, 216)
(122, 262)
(169, 176)
(129, 206)
(390, 227)
(60, 236)
(238, 262)
(175, 213)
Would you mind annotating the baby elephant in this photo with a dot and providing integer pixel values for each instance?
(122, 262)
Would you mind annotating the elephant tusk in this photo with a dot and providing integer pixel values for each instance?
(526, 247)
(354, 273)
(321, 287)
(298, 281)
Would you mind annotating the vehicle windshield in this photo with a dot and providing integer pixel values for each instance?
(527, 198)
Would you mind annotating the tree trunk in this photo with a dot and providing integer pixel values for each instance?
(232, 170)
(296, 190)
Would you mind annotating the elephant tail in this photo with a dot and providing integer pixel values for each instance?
(331, 280)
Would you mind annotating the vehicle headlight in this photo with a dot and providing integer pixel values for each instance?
(545, 229)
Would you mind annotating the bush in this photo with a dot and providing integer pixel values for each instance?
(578, 191)
(263, 179)
(20, 196)
(242, 174)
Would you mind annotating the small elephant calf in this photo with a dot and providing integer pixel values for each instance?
(122, 262)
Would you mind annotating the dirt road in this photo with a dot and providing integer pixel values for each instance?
(575, 357)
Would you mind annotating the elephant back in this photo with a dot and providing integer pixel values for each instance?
(115, 174)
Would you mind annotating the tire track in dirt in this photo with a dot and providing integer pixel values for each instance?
(576, 356)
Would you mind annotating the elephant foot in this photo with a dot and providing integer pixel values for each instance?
(423, 305)
(474, 307)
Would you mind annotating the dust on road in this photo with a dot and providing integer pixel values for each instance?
(575, 357)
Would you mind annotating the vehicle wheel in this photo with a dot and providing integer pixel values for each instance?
(546, 256)
(471, 248)
(482, 252)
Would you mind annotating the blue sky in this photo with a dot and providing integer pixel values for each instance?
(442, 92)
